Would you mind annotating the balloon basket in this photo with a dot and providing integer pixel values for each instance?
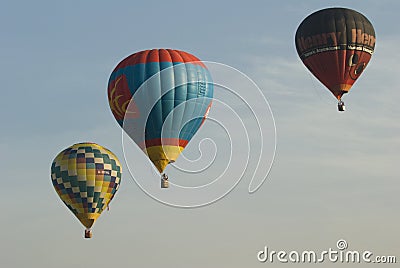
(341, 107)
(88, 233)
(164, 183)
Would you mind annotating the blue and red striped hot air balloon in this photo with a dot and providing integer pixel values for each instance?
(160, 97)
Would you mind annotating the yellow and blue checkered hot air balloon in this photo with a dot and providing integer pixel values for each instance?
(160, 97)
(86, 176)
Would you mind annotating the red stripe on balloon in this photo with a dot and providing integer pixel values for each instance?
(160, 55)
(164, 141)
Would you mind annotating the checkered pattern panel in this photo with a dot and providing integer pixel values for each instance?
(86, 176)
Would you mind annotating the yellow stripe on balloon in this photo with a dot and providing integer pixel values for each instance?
(162, 155)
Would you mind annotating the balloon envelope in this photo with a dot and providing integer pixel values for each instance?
(86, 176)
(160, 97)
(336, 45)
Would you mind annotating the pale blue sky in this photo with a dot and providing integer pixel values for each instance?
(335, 175)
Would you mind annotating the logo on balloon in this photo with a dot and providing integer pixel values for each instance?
(120, 97)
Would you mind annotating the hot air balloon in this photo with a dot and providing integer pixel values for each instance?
(336, 44)
(160, 97)
(86, 176)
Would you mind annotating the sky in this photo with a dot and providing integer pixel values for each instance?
(334, 176)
